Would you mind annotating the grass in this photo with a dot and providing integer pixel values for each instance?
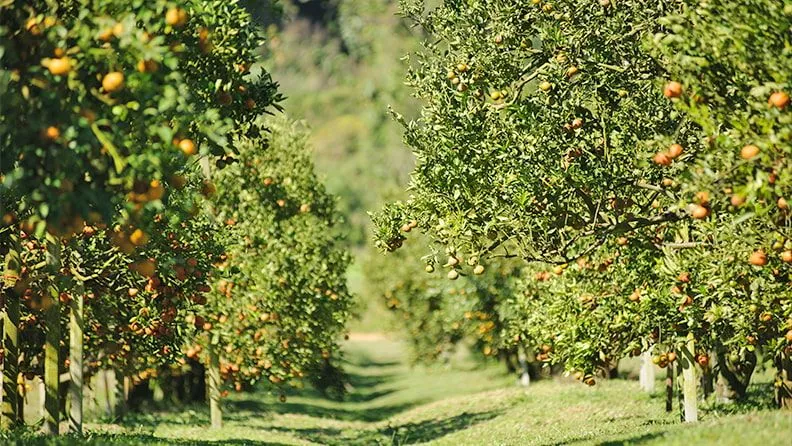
(393, 404)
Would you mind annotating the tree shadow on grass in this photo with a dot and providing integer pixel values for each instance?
(408, 433)
(367, 414)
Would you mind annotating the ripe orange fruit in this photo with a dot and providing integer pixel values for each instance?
(571, 71)
(782, 203)
(684, 277)
(635, 296)
(737, 200)
(703, 360)
(138, 237)
(156, 190)
(113, 81)
(672, 89)
(187, 146)
(758, 258)
(545, 86)
(250, 104)
(105, 35)
(662, 159)
(786, 256)
(671, 356)
(429, 269)
(147, 66)
(176, 17)
(779, 99)
(146, 268)
(60, 66)
(674, 151)
(788, 336)
(478, 270)
(699, 212)
(749, 151)
(51, 133)
(453, 274)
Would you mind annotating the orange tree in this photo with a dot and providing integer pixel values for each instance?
(103, 104)
(544, 136)
(730, 69)
(134, 309)
(281, 301)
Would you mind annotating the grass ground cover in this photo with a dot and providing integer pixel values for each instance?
(391, 403)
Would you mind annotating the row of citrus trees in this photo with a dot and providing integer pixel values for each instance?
(635, 154)
(149, 213)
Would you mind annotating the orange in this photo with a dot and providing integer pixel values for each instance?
(662, 159)
(113, 81)
(779, 99)
(672, 89)
(51, 133)
(60, 66)
(156, 191)
(176, 17)
(187, 147)
(674, 151)
(699, 212)
(138, 237)
(147, 66)
(758, 258)
(749, 151)
(786, 256)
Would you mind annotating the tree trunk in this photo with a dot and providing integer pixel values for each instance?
(122, 388)
(647, 374)
(707, 379)
(669, 385)
(11, 402)
(525, 376)
(213, 371)
(687, 361)
(52, 344)
(733, 378)
(76, 333)
(783, 383)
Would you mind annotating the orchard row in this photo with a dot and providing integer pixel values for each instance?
(148, 222)
(634, 154)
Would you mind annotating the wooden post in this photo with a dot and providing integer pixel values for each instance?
(215, 410)
(669, 387)
(11, 399)
(11, 402)
(689, 381)
(76, 333)
(647, 374)
(52, 343)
